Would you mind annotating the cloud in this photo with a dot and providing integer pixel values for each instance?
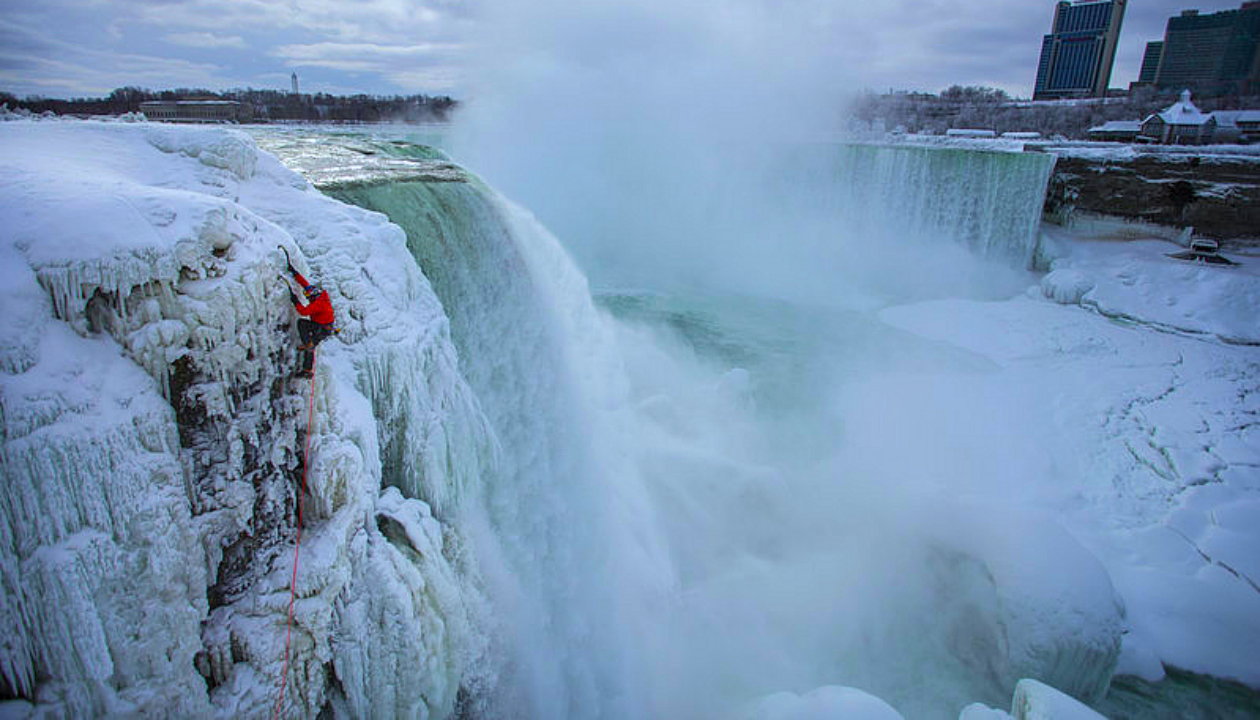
(34, 62)
(369, 21)
(205, 40)
(332, 52)
(434, 66)
(389, 45)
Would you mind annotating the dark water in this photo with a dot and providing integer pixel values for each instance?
(1180, 696)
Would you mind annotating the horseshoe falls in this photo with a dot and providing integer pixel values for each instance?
(639, 511)
(891, 473)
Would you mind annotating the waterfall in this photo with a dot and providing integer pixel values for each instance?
(545, 368)
(587, 523)
(907, 196)
(987, 201)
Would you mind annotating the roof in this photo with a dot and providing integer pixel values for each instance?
(1183, 112)
(1233, 117)
(189, 102)
(1132, 126)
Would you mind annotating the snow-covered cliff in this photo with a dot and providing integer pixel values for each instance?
(153, 441)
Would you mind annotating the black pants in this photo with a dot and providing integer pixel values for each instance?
(312, 333)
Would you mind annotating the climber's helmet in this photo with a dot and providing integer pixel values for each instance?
(312, 291)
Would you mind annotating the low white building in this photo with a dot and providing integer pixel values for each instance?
(1181, 123)
(970, 133)
(1116, 131)
(1243, 124)
(202, 111)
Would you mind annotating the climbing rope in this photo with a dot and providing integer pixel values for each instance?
(306, 452)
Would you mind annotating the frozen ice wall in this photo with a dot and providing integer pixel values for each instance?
(152, 441)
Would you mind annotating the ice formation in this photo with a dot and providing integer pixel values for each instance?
(1041, 606)
(152, 440)
(828, 702)
(1066, 287)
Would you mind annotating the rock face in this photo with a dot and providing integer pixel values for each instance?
(1219, 195)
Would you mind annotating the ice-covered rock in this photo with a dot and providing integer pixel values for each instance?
(1042, 606)
(980, 711)
(1066, 287)
(1034, 700)
(1037, 701)
(830, 702)
(154, 449)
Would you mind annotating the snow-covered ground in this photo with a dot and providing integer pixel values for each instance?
(1143, 375)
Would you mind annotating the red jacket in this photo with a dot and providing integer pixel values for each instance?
(320, 309)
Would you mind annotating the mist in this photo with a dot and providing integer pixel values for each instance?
(635, 130)
(795, 516)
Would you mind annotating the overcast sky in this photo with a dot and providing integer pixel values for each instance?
(75, 48)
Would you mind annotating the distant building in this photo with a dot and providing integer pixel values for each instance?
(1150, 62)
(1181, 123)
(197, 111)
(1116, 131)
(1241, 125)
(295, 84)
(1078, 54)
(1216, 54)
(970, 133)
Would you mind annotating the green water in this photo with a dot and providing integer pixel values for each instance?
(1180, 695)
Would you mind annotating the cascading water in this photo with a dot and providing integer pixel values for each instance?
(543, 364)
(988, 201)
(667, 533)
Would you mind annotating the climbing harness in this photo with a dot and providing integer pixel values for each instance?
(288, 628)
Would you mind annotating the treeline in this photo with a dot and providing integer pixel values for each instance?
(992, 109)
(267, 105)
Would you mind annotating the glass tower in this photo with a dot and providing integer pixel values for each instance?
(1212, 54)
(1077, 55)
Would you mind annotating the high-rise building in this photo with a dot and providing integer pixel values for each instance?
(1214, 54)
(295, 85)
(1150, 62)
(1077, 55)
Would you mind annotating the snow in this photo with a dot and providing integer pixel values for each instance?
(1066, 286)
(151, 442)
(1118, 126)
(1184, 112)
(980, 711)
(1127, 152)
(1038, 701)
(1138, 282)
(1139, 377)
(830, 702)
(1034, 700)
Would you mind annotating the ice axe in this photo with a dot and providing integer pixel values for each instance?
(287, 261)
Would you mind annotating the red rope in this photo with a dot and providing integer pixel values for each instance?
(306, 451)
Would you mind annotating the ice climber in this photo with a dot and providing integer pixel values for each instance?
(318, 308)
